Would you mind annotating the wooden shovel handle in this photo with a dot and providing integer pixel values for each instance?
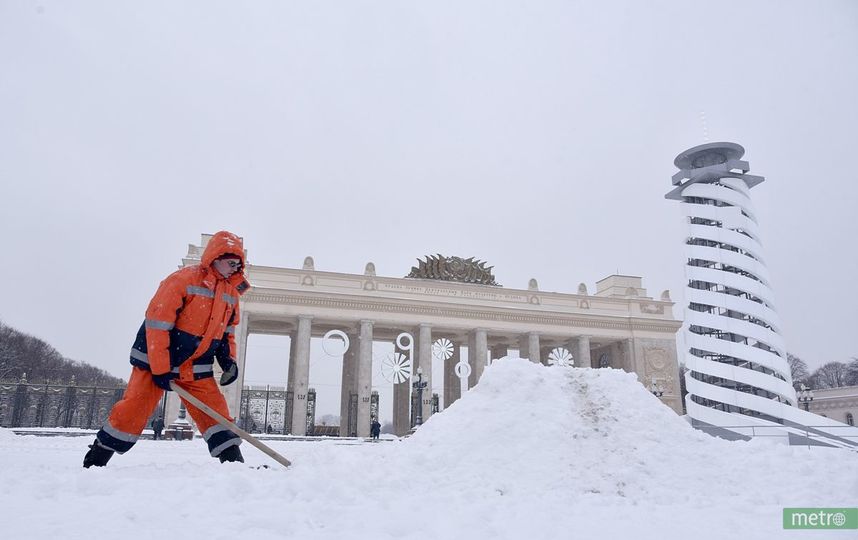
(229, 425)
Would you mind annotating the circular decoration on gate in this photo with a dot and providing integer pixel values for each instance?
(560, 357)
(463, 370)
(442, 349)
(410, 346)
(396, 368)
(333, 346)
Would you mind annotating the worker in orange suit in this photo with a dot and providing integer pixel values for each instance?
(190, 322)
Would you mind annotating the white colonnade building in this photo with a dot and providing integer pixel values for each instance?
(448, 306)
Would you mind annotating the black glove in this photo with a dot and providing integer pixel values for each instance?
(230, 371)
(163, 380)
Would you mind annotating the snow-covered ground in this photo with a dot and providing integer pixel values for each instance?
(531, 452)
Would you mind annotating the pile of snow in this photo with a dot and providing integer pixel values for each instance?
(531, 451)
(601, 432)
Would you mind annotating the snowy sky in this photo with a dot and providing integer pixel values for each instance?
(537, 136)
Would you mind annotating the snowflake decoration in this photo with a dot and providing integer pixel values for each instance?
(560, 357)
(442, 349)
(396, 368)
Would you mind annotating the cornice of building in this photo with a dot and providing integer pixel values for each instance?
(836, 393)
(289, 279)
(834, 404)
(479, 313)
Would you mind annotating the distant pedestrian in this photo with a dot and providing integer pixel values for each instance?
(190, 322)
(374, 429)
(157, 427)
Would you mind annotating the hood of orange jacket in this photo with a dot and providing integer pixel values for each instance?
(225, 243)
(222, 243)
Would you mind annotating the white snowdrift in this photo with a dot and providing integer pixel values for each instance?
(530, 452)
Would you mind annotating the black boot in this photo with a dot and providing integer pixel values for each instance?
(231, 453)
(97, 455)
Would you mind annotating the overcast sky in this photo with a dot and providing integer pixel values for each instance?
(537, 136)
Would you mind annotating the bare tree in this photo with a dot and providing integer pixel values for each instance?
(22, 353)
(798, 370)
(852, 372)
(831, 375)
(9, 359)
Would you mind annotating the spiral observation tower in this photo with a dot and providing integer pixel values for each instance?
(738, 380)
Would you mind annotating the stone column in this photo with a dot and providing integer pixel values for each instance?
(633, 363)
(364, 378)
(477, 351)
(528, 346)
(498, 351)
(232, 393)
(424, 360)
(348, 383)
(582, 356)
(544, 351)
(636, 360)
(618, 355)
(572, 346)
(402, 397)
(452, 385)
(290, 372)
(290, 382)
(299, 366)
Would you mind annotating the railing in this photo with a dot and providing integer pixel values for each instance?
(55, 405)
(844, 436)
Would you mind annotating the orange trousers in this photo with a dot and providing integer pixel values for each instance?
(129, 415)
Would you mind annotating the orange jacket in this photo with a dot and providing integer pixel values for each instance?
(193, 316)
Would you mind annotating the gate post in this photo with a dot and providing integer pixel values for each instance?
(353, 412)
(91, 412)
(20, 403)
(415, 403)
(43, 404)
(373, 405)
(267, 398)
(287, 420)
(311, 411)
(70, 403)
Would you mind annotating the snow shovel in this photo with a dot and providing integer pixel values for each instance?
(229, 425)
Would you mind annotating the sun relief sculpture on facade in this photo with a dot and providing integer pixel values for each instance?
(453, 269)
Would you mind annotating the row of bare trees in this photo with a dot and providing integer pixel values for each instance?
(830, 375)
(22, 353)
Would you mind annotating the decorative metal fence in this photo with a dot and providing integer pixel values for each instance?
(55, 405)
(266, 409)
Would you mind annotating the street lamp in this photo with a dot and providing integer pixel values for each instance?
(656, 388)
(805, 396)
(419, 385)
